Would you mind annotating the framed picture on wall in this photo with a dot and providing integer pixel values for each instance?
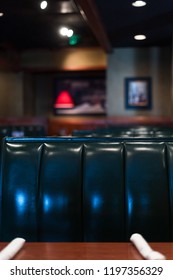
(80, 94)
(138, 93)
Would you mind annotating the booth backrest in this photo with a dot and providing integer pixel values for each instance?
(77, 189)
(22, 130)
(127, 131)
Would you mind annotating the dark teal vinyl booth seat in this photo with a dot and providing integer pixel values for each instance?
(86, 189)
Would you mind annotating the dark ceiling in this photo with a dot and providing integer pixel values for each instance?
(109, 24)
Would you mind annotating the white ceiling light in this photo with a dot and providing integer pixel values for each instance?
(139, 3)
(43, 5)
(1, 14)
(69, 32)
(140, 37)
(64, 31)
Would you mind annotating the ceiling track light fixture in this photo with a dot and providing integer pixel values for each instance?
(139, 3)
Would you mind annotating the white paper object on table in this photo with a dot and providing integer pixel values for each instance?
(12, 249)
(144, 248)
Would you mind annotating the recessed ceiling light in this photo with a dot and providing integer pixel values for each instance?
(140, 37)
(69, 33)
(1, 14)
(139, 3)
(63, 31)
(43, 5)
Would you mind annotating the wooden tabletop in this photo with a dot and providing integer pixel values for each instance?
(86, 251)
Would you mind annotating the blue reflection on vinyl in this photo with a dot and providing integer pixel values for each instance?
(130, 205)
(59, 202)
(47, 203)
(21, 202)
(97, 201)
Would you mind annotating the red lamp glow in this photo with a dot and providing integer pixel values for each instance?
(64, 100)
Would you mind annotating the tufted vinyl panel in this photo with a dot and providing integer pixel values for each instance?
(103, 185)
(170, 177)
(20, 191)
(147, 191)
(60, 209)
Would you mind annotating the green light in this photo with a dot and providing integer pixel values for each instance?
(74, 40)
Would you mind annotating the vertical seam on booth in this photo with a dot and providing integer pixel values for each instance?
(1, 185)
(82, 193)
(39, 191)
(124, 190)
(167, 163)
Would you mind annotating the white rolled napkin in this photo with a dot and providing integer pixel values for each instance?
(12, 248)
(144, 249)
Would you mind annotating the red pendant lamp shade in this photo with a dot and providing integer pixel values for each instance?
(64, 100)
